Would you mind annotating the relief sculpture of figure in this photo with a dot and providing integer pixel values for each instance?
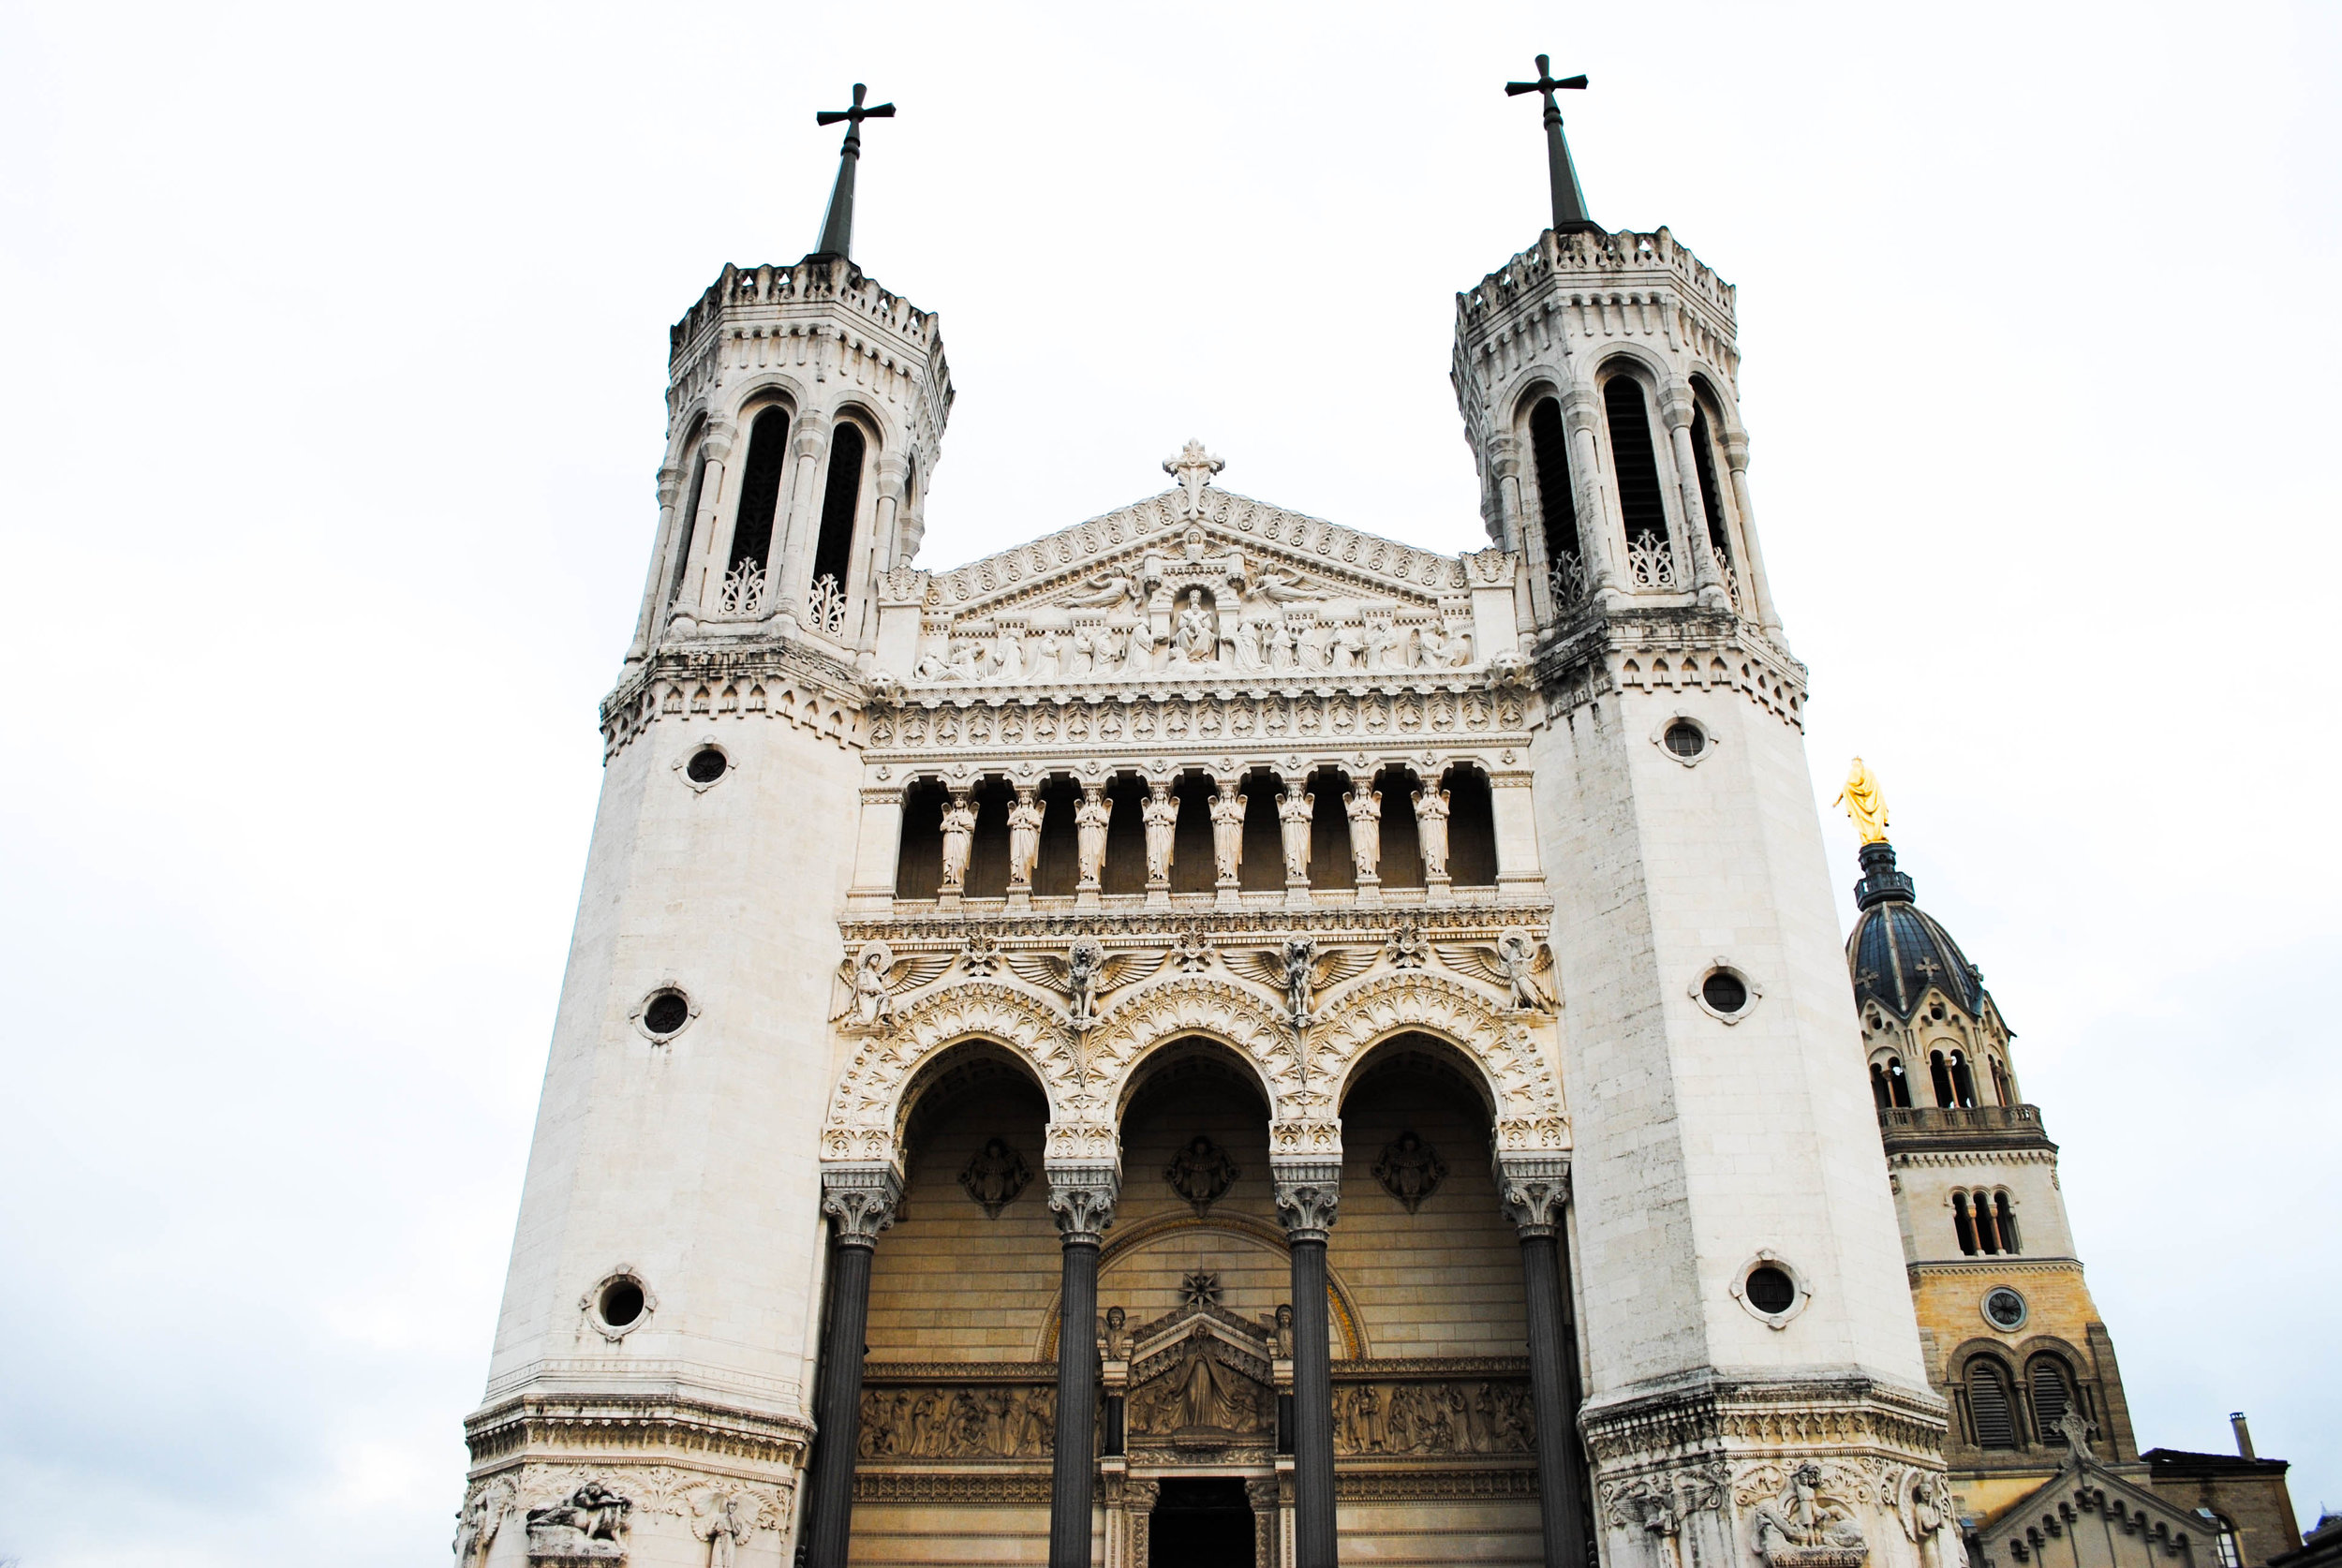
(1294, 810)
(1801, 1520)
(1198, 634)
(716, 1518)
(1089, 832)
(1227, 833)
(1430, 827)
(1161, 816)
(959, 833)
(593, 1512)
(1024, 837)
(1102, 592)
(1365, 807)
(1210, 1398)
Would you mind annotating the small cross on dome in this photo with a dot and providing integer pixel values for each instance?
(1193, 468)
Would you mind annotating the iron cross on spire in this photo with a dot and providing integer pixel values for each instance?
(1569, 202)
(838, 228)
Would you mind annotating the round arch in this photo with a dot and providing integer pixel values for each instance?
(871, 1106)
(1508, 1064)
(766, 387)
(1196, 1006)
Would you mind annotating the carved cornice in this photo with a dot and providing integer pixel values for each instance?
(1027, 1484)
(1711, 1415)
(1472, 913)
(1422, 1481)
(768, 679)
(1655, 648)
(1248, 718)
(1432, 1366)
(537, 1426)
(958, 1372)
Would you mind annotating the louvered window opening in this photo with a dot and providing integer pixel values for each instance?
(684, 527)
(1636, 466)
(833, 554)
(1989, 1410)
(2051, 1395)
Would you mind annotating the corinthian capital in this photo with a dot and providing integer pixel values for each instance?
(1082, 1197)
(860, 1201)
(1533, 1190)
(1308, 1191)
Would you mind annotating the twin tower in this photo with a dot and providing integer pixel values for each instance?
(1209, 1036)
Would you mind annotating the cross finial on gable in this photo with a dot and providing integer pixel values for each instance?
(1193, 468)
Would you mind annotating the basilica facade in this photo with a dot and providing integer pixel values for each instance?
(1213, 1037)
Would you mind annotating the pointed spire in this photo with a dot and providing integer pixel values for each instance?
(1569, 202)
(838, 226)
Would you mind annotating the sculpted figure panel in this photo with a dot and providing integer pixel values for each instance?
(1488, 1415)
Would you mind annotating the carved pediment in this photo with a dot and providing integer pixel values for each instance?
(1186, 584)
(1201, 1381)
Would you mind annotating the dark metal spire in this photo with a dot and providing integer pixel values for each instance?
(838, 228)
(1569, 202)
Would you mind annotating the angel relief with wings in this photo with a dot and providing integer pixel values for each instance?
(1086, 973)
(1513, 966)
(874, 978)
(1297, 968)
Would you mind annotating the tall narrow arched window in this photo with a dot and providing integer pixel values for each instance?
(1989, 1409)
(2226, 1551)
(833, 550)
(1963, 1080)
(1471, 828)
(1987, 1228)
(745, 572)
(1939, 1076)
(1963, 1225)
(1710, 492)
(2005, 1222)
(1898, 1084)
(1636, 464)
(2052, 1392)
(681, 563)
(1557, 502)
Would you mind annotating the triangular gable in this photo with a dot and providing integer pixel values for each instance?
(2087, 1517)
(1340, 561)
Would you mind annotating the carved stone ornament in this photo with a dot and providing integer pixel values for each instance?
(1533, 1189)
(1307, 1196)
(1200, 1288)
(485, 1508)
(588, 1526)
(726, 1520)
(1513, 966)
(860, 1201)
(1920, 1499)
(1082, 1198)
(995, 1175)
(1407, 949)
(1410, 1169)
(1460, 1416)
(1805, 1523)
(1201, 1395)
(874, 978)
(1201, 1173)
(1659, 1504)
(958, 1421)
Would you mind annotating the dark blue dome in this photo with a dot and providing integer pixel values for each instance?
(1898, 951)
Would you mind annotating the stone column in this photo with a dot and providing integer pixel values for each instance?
(1082, 1199)
(789, 572)
(655, 591)
(1534, 1190)
(860, 1203)
(1736, 458)
(1600, 534)
(1675, 410)
(1307, 1193)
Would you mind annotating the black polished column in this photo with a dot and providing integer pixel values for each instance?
(1307, 1194)
(1082, 1198)
(860, 1203)
(1534, 1190)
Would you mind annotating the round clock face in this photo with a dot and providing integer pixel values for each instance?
(2005, 1308)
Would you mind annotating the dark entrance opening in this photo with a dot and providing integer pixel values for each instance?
(1201, 1524)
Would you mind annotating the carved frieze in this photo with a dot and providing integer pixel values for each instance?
(969, 1421)
(1450, 1417)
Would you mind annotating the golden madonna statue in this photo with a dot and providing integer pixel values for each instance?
(1864, 806)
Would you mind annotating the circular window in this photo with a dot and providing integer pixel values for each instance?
(621, 1302)
(666, 1012)
(1685, 739)
(2004, 1309)
(707, 765)
(1724, 991)
(1771, 1288)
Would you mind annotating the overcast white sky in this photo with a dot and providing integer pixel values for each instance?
(332, 345)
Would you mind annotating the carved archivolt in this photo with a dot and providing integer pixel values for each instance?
(1088, 1078)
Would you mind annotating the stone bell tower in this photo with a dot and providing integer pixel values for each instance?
(1754, 1381)
(650, 1392)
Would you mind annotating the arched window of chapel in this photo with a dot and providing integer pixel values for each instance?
(695, 465)
(919, 861)
(1991, 1415)
(2051, 1385)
